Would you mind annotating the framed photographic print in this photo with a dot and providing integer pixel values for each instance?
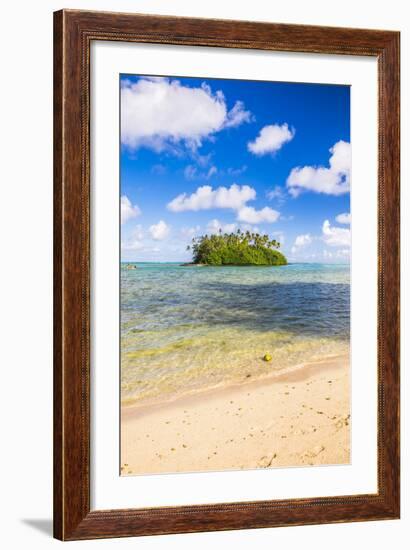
(226, 336)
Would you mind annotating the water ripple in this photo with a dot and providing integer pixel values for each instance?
(190, 327)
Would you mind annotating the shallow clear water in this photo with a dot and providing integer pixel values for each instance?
(184, 329)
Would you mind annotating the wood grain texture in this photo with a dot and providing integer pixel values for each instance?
(73, 33)
(58, 281)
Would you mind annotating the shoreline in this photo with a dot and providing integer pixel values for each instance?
(299, 417)
(175, 398)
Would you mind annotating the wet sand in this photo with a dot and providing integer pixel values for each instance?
(299, 418)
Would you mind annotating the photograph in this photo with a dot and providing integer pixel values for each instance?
(234, 274)
(206, 256)
(226, 274)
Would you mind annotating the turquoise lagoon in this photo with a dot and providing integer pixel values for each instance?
(187, 329)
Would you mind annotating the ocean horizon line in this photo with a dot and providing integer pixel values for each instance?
(178, 262)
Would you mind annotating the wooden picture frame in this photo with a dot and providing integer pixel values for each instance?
(74, 32)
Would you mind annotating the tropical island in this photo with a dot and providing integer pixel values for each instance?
(240, 248)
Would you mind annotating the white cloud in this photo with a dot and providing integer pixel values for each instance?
(344, 218)
(128, 211)
(237, 115)
(191, 172)
(276, 194)
(300, 242)
(249, 214)
(134, 241)
(270, 139)
(335, 236)
(249, 227)
(235, 198)
(334, 180)
(214, 226)
(205, 198)
(279, 236)
(160, 113)
(341, 254)
(159, 231)
(189, 232)
(303, 240)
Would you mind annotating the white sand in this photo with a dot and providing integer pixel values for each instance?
(299, 418)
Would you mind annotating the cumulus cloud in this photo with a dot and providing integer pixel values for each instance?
(134, 241)
(159, 231)
(214, 226)
(335, 236)
(249, 214)
(189, 232)
(249, 227)
(303, 240)
(344, 218)
(270, 139)
(334, 180)
(161, 113)
(300, 242)
(235, 198)
(205, 198)
(128, 211)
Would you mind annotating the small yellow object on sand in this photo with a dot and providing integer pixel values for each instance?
(267, 357)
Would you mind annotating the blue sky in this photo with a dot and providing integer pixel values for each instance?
(199, 154)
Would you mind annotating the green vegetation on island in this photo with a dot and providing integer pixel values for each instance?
(240, 248)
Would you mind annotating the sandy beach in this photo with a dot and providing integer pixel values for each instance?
(299, 418)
